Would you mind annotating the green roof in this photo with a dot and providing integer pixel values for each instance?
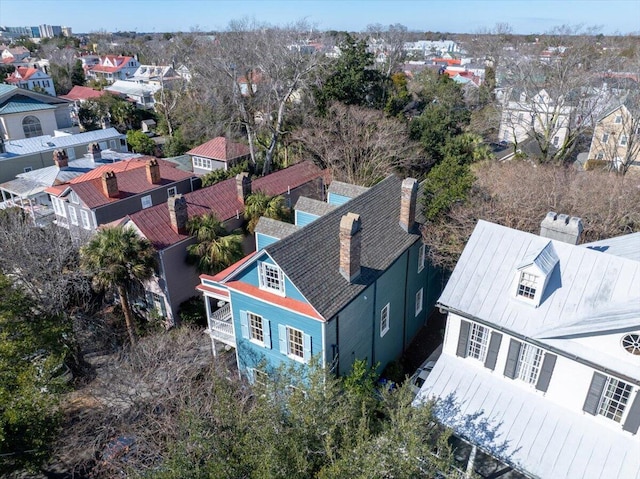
(21, 103)
(5, 88)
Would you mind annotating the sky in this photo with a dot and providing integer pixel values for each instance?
(456, 16)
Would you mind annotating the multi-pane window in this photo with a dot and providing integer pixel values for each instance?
(529, 363)
(623, 140)
(271, 277)
(419, 297)
(527, 285)
(295, 340)
(614, 399)
(146, 201)
(605, 137)
(256, 330)
(86, 224)
(31, 127)
(73, 215)
(384, 320)
(203, 163)
(478, 340)
(618, 119)
(173, 191)
(421, 257)
(74, 197)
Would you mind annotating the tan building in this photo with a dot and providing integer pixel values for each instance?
(616, 139)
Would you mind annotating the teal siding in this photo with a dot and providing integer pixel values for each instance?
(250, 354)
(262, 241)
(338, 200)
(303, 218)
(251, 276)
(415, 281)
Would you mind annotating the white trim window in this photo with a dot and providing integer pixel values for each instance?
(527, 285)
(203, 163)
(173, 191)
(295, 339)
(74, 197)
(614, 399)
(271, 278)
(600, 155)
(294, 343)
(27, 169)
(384, 320)
(419, 300)
(623, 140)
(73, 216)
(605, 137)
(529, 363)
(478, 342)
(58, 207)
(86, 223)
(146, 202)
(618, 119)
(255, 328)
(422, 252)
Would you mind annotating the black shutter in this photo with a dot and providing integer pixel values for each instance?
(546, 371)
(633, 416)
(492, 352)
(463, 339)
(595, 392)
(512, 359)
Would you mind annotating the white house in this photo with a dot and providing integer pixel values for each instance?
(32, 79)
(541, 358)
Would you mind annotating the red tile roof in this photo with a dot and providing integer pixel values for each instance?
(119, 61)
(220, 149)
(24, 72)
(132, 180)
(83, 93)
(220, 199)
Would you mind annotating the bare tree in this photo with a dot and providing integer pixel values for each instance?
(360, 145)
(389, 42)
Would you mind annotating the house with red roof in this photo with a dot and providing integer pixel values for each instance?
(32, 79)
(112, 191)
(217, 154)
(165, 226)
(113, 67)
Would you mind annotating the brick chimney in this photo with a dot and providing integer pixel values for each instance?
(350, 232)
(178, 213)
(561, 227)
(60, 158)
(408, 196)
(153, 172)
(243, 186)
(110, 184)
(94, 152)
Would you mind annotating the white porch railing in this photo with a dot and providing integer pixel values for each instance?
(221, 326)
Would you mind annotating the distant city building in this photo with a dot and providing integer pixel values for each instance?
(50, 31)
(66, 31)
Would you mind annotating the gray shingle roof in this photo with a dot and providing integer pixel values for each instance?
(313, 207)
(274, 228)
(310, 257)
(346, 189)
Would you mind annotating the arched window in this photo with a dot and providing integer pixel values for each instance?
(31, 127)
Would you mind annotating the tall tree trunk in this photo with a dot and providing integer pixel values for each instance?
(128, 316)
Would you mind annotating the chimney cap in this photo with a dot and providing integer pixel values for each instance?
(350, 223)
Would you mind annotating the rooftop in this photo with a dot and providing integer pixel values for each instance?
(38, 144)
(220, 149)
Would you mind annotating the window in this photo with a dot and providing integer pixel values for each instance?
(86, 224)
(529, 363)
(173, 191)
(623, 140)
(256, 331)
(27, 169)
(520, 117)
(618, 119)
(73, 215)
(631, 344)
(605, 137)
(384, 320)
(614, 399)
(74, 198)
(203, 163)
(155, 303)
(31, 127)
(146, 201)
(421, 257)
(260, 377)
(527, 285)
(600, 156)
(71, 153)
(112, 144)
(271, 278)
(478, 339)
(419, 296)
(556, 140)
(295, 341)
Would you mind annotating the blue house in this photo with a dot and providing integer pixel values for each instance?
(348, 282)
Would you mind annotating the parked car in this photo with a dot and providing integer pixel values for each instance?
(419, 377)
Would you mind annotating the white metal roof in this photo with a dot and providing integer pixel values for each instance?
(38, 144)
(626, 246)
(525, 430)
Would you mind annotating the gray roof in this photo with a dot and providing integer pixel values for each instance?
(274, 228)
(527, 431)
(314, 207)
(346, 189)
(310, 257)
(626, 246)
(132, 88)
(589, 292)
(38, 144)
(23, 187)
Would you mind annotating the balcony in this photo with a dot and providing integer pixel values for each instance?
(221, 325)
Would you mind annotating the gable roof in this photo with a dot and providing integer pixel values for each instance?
(346, 189)
(21, 74)
(23, 103)
(83, 93)
(38, 144)
(220, 199)
(220, 149)
(13, 99)
(132, 180)
(310, 256)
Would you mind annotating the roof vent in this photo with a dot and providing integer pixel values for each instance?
(631, 344)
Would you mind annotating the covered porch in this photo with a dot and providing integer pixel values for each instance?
(219, 317)
(29, 196)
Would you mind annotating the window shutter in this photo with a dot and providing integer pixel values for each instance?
(633, 416)
(282, 333)
(262, 282)
(512, 359)
(266, 333)
(595, 392)
(546, 371)
(307, 347)
(244, 324)
(163, 307)
(463, 339)
(492, 352)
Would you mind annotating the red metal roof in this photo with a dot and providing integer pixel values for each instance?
(220, 149)
(220, 199)
(24, 72)
(119, 61)
(83, 93)
(132, 180)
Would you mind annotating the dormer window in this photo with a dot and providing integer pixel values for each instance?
(271, 278)
(533, 273)
(528, 285)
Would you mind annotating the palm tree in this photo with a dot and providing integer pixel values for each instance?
(260, 204)
(118, 258)
(215, 249)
